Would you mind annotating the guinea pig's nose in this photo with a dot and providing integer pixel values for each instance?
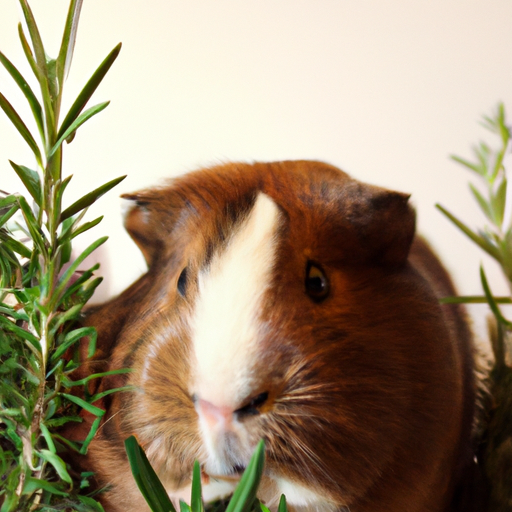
(214, 416)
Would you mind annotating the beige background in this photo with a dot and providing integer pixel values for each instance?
(386, 90)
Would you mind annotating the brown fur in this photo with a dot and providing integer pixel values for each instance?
(371, 391)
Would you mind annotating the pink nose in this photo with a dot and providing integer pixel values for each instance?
(215, 417)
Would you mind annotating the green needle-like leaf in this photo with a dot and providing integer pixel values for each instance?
(31, 181)
(48, 437)
(64, 279)
(35, 37)
(245, 492)
(8, 214)
(85, 405)
(484, 205)
(147, 480)
(473, 299)
(478, 169)
(71, 338)
(22, 333)
(94, 428)
(68, 40)
(35, 106)
(282, 504)
(87, 92)
(498, 202)
(34, 484)
(89, 198)
(57, 463)
(76, 124)
(196, 500)
(480, 241)
(492, 302)
(21, 127)
(86, 226)
(32, 225)
(28, 53)
(42, 77)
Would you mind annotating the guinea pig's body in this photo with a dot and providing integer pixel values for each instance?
(283, 302)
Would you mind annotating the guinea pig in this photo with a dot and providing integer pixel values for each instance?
(287, 302)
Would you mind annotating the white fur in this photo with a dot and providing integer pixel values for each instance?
(303, 498)
(224, 329)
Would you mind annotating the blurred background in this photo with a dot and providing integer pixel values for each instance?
(384, 90)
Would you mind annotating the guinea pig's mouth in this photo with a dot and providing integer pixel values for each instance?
(233, 476)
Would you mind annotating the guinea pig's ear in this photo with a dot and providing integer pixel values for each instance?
(386, 221)
(139, 223)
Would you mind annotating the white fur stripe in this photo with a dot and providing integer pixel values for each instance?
(224, 327)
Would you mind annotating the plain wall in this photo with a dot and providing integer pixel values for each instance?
(386, 90)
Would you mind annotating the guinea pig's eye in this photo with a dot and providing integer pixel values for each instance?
(317, 284)
(182, 282)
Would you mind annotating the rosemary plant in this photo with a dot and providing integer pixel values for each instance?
(496, 240)
(42, 290)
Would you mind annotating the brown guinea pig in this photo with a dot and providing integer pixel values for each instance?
(289, 302)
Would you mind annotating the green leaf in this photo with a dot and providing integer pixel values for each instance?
(245, 492)
(34, 484)
(61, 318)
(477, 168)
(64, 279)
(484, 205)
(22, 333)
(35, 106)
(21, 127)
(6, 216)
(71, 338)
(68, 40)
(78, 287)
(87, 92)
(85, 405)
(8, 201)
(30, 179)
(92, 432)
(35, 37)
(28, 53)
(492, 302)
(32, 225)
(90, 198)
(473, 299)
(147, 480)
(47, 437)
(92, 504)
(282, 504)
(98, 396)
(196, 500)
(86, 226)
(77, 123)
(84, 381)
(184, 507)
(57, 463)
(479, 240)
(498, 202)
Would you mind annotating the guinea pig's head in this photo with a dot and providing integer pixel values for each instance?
(278, 310)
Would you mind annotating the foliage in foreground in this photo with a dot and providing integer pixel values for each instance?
(496, 240)
(243, 499)
(42, 292)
